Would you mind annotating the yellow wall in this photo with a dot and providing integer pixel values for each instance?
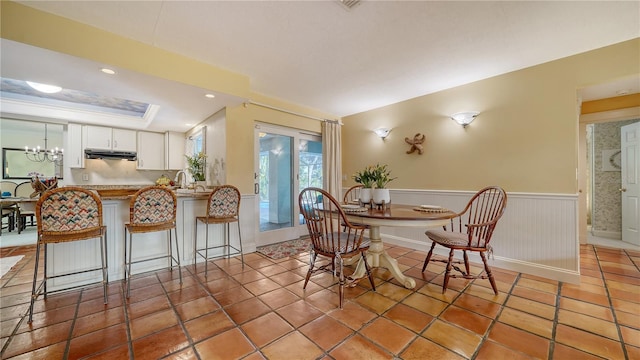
(525, 138)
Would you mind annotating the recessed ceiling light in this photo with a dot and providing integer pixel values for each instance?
(188, 124)
(108, 71)
(210, 96)
(45, 88)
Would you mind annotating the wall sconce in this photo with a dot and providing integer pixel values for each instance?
(464, 118)
(382, 132)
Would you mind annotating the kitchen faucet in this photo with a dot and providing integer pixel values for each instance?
(181, 179)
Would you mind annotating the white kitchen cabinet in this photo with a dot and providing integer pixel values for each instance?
(124, 140)
(74, 153)
(150, 151)
(106, 138)
(174, 150)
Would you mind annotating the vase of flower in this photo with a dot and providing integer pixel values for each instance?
(196, 165)
(365, 177)
(365, 195)
(381, 196)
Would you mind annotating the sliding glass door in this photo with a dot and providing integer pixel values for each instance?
(286, 162)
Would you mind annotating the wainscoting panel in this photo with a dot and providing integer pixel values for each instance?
(537, 234)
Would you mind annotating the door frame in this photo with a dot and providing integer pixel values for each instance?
(296, 230)
(630, 186)
(582, 178)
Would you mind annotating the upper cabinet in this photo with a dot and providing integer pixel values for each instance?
(174, 150)
(150, 151)
(74, 154)
(106, 138)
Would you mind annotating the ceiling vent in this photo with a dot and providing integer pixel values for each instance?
(349, 4)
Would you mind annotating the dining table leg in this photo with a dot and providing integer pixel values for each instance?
(378, 257)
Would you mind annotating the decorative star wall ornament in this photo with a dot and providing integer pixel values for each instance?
(416, 143)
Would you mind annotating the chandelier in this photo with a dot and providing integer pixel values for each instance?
(37, 154)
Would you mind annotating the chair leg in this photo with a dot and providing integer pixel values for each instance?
(175, 233)
(341, 281)
(312, 261)
(206, 250)
(124, 267)
(106, 256)
(46, 278)
(128, 272)
(103, 259)
(447, 273)
(35, 279)
(368, 269)
(240, 240)
(466, 261)
(487, 269)
(195, 247)
(428, 258)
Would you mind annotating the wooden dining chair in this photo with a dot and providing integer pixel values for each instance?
(9, 209)
(151, 209)
(68, 214)
(26, 210)
(470, 230)
(223, 208)
(332, 235)
(352, 196)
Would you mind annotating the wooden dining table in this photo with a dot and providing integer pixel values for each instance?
(397, 215)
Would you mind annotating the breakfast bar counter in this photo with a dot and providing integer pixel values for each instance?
(115, 211)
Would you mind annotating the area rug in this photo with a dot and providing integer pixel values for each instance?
(285, 248)
(6, 263)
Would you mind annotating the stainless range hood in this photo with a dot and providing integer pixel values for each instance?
(110, 155)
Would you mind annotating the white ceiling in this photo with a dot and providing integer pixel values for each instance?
(339, 61)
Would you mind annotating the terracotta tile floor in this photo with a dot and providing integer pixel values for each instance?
(262, 312)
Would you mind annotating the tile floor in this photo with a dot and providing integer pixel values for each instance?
(262, 312)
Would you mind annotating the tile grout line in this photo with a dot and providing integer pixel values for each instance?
(609, 299)
(554, 324)
(67, 347)
(177, 314)
(127, 320)
(485, 337)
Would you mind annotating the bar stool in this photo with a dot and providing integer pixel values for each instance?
(151, 209)
(68, 214)
(223, 207)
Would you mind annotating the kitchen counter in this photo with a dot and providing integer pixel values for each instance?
(115, 203)
(109, 192)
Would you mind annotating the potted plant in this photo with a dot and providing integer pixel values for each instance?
(381, 177)
(365, 177)
(196, 166)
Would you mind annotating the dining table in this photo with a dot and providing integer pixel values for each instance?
(396, 215)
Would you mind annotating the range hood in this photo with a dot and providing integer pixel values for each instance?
(110, 155)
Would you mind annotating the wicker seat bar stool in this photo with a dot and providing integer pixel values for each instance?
(223, 207)
(151, 209)
(64, 215)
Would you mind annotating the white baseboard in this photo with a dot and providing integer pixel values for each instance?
(615, 235)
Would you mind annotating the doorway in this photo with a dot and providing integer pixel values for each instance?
(286, 161)
(604, 183)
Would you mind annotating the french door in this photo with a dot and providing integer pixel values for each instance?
(286, 161)
(630, 185)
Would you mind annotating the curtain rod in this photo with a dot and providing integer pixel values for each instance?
(294, 113)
